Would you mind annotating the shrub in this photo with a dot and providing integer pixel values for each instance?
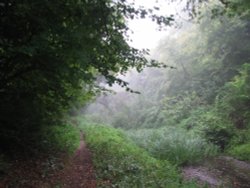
(195, 119)
(217, 129)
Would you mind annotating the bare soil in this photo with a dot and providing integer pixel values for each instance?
(53, 172)
(79, 173)
(220, 172)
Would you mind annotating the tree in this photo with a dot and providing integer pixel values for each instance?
(51, 53)
(206, 56)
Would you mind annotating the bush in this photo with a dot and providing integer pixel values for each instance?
(217, 129)
(195, 119)
(176, 145)
(120, 163)
(211, 124)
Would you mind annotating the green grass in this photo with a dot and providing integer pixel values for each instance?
(60, 138)
(118, 162)
(241, 152)
(175, 145)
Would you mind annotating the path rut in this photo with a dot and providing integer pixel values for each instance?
(43, 172)
(79, 173)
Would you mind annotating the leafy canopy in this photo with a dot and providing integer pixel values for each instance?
(51, 53)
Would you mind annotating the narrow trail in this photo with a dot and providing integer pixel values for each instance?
(222, 171)
(79, 172)
(43, 172)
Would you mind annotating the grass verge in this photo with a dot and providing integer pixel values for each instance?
(120, 163)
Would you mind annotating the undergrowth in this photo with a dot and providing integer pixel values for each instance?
(118, 162)
(60, 138)
(173, 144)
(239, 146)
(241, 152)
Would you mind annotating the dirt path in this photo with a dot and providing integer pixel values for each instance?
(53, 172)
(79, 172)
(202, 175)
(220, 172)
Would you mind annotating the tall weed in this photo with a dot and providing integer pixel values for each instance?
(174, 144)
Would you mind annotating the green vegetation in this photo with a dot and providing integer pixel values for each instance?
(175, 145)
(120, 163)
(60, 138)
(56, 57)
(241, 152)
(205, 98)
(52, 53)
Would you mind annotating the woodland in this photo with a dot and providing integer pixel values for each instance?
(184, 104)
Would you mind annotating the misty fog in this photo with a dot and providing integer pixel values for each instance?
(196, 52)
(125, 93)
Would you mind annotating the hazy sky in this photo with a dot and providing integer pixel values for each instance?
(146, 34)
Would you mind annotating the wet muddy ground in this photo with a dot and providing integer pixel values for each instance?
(219, 172)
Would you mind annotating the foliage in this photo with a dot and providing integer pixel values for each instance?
(207, 93)
(51, 54)
(241, 152)
(241, 137)
(238, 99)
(216, 129)
(237, 7)
(60, 138)
(206, 56)
(222, 123)
(173, 144)
(178, 108)
(195, 118)
(120, 163)
(227, 123)
(224, 7)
